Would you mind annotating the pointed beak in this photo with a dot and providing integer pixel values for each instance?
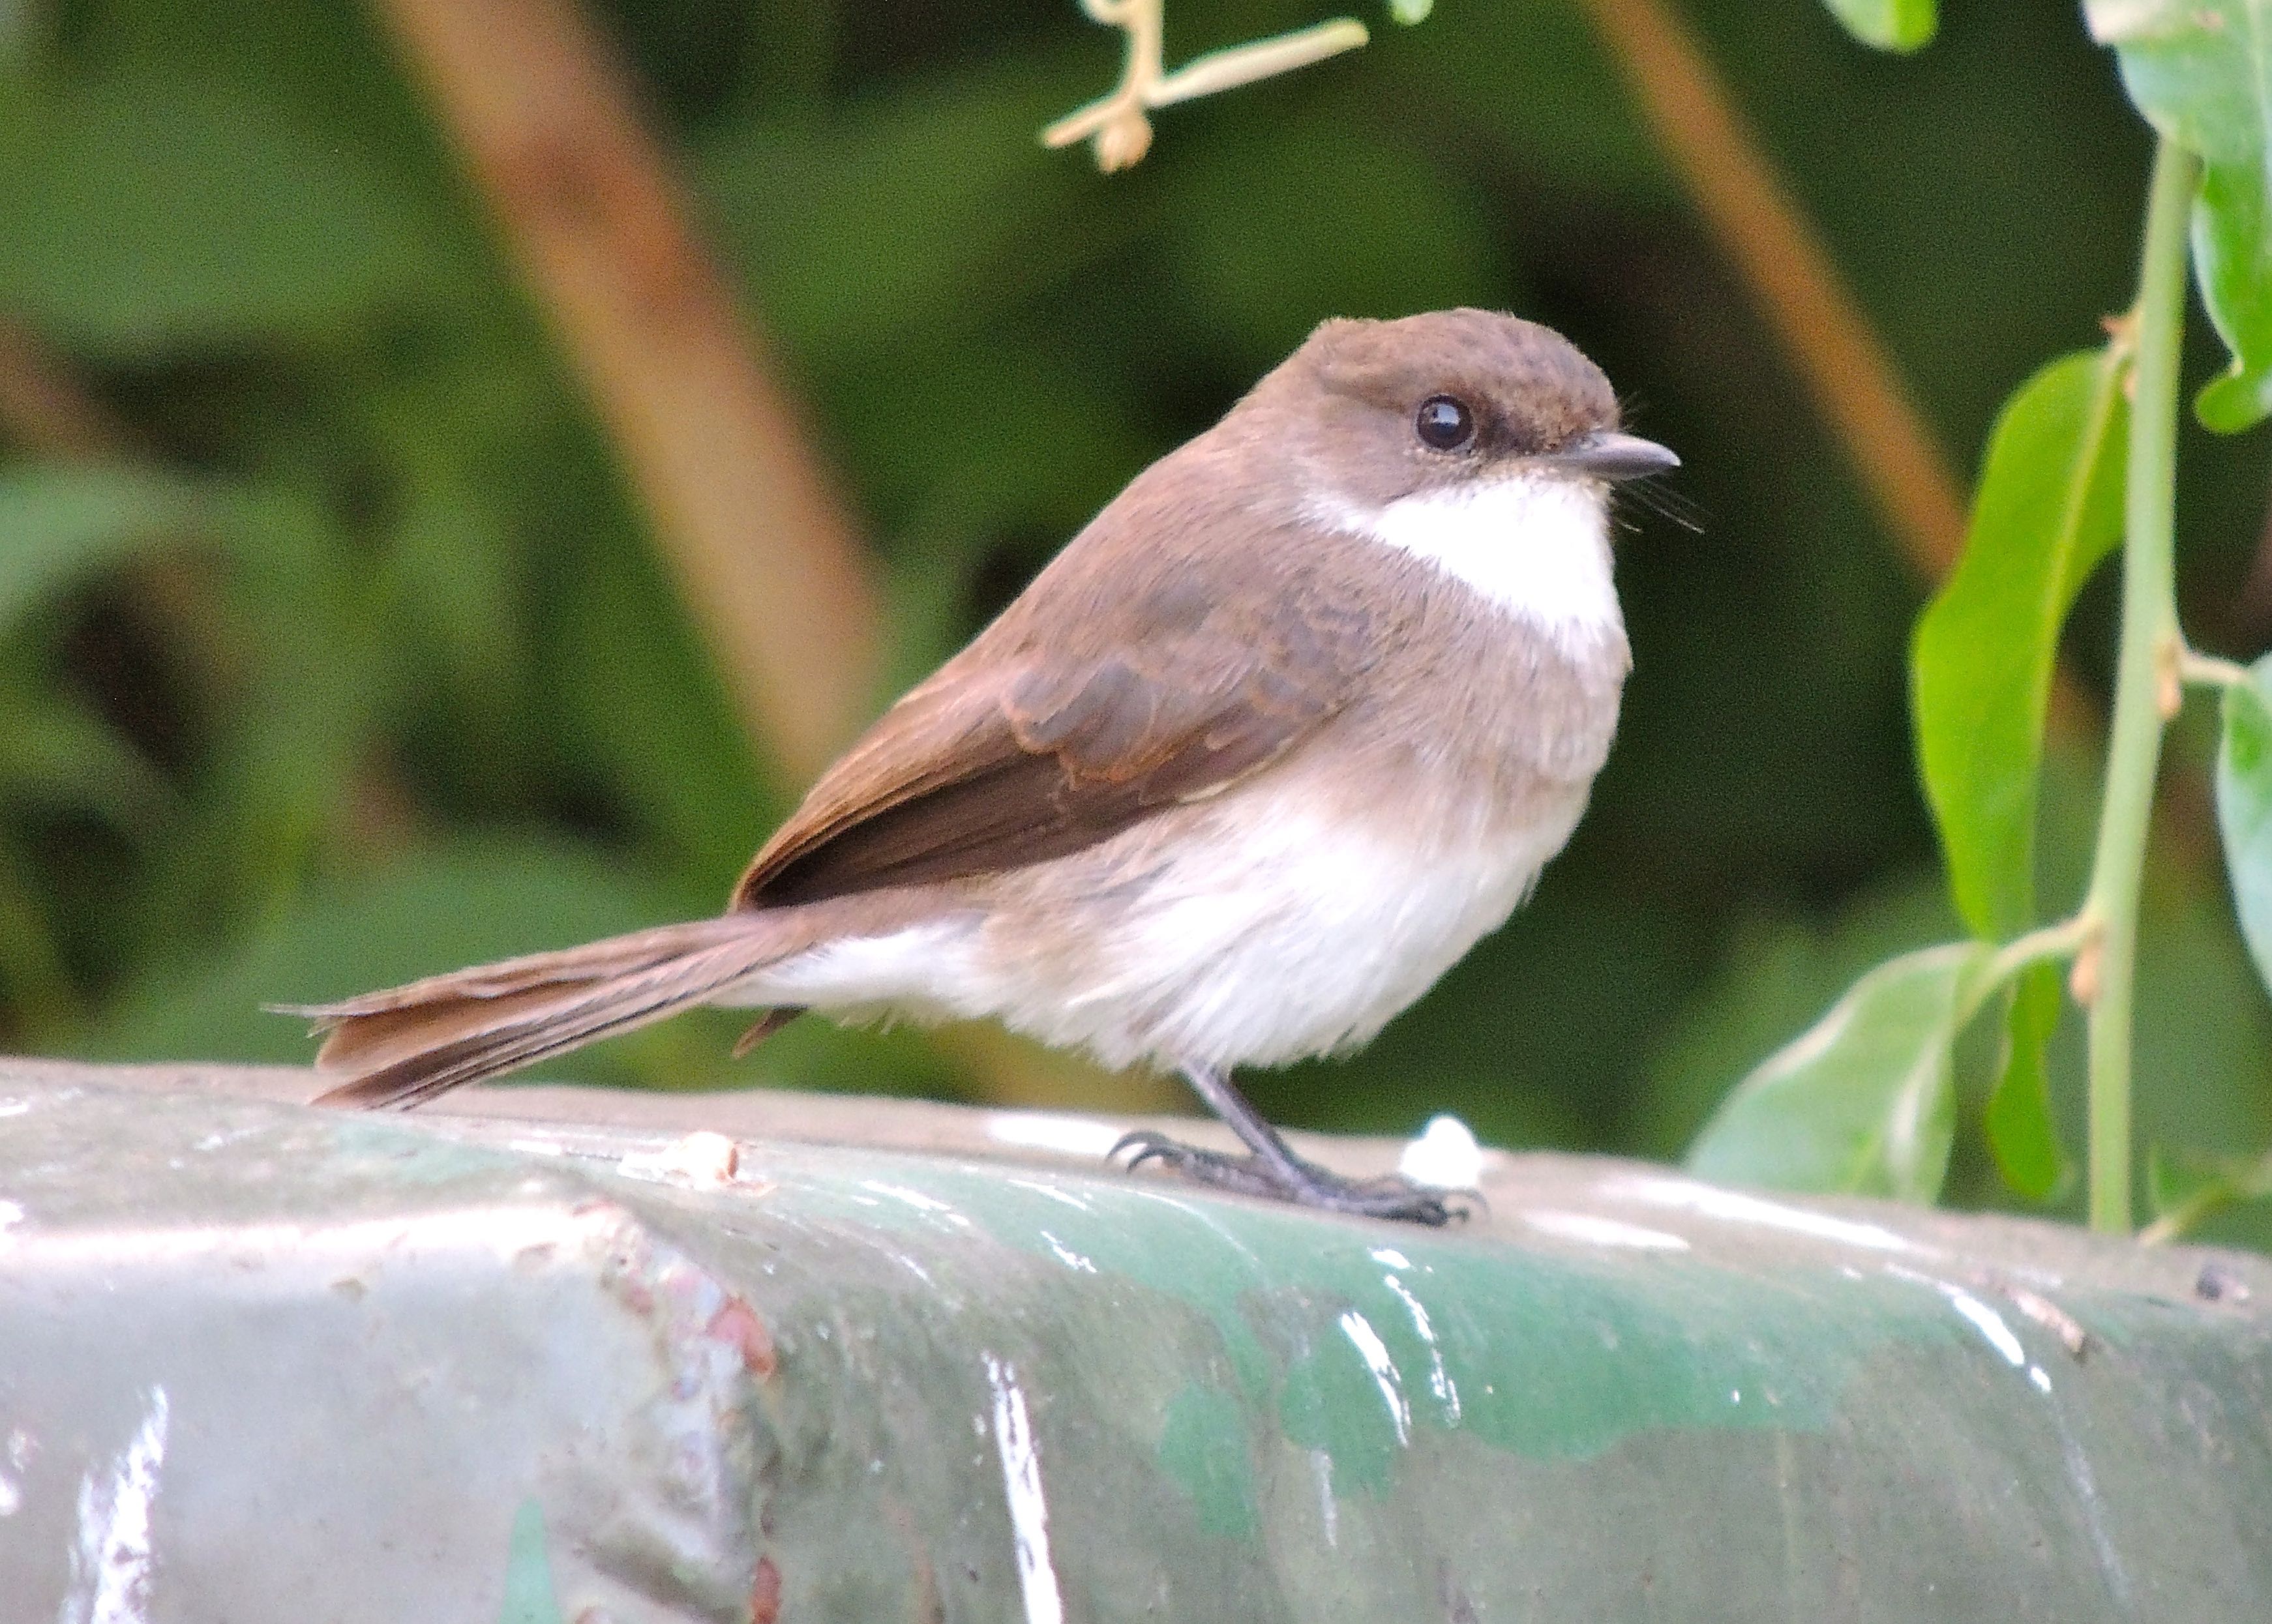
(1612, 457)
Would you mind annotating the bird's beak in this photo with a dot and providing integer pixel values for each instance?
(1611, 456)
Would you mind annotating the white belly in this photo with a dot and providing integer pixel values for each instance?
(1280, 936)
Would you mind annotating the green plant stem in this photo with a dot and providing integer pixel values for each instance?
(2210, 671)
(2149, 636)
(2063, 940)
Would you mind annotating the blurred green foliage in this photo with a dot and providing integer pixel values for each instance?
(354, 662)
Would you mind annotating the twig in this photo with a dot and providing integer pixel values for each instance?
(1122, 133)
(765, 555)
(2210, 670)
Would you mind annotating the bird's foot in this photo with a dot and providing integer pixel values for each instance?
(1301, 1182)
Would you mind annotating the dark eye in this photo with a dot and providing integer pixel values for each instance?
(1443, 423)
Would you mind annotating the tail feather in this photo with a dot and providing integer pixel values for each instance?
(405, 1045)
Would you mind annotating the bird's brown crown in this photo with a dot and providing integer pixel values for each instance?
(1382, 408)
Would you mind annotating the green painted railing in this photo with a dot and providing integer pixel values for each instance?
(574, 1356)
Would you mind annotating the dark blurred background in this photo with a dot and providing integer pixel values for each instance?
(341, 638)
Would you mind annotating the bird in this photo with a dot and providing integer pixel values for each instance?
(1285, 730)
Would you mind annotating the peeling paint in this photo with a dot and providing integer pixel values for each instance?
(1989, 1323)
(1067, 1255)
(1064, 1197)
(929, 1206)
(19, 1456)
(1022, 1487)
(1975, 1313)
(529, 1597)
(738, 1325)
(1321, 1463)
(1370, 1347)
(110, 1565)
(2050, 1317)
(765, 1593)
(1439, 1380)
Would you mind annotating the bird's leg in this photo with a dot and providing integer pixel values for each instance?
(1271, 1168)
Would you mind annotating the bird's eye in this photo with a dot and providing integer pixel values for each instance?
(1443, 423)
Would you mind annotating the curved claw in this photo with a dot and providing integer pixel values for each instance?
(1147, 1144)
(1394, 1197)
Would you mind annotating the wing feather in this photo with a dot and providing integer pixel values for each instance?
(1037, 742)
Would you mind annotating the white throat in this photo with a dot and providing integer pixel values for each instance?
(1534, 544)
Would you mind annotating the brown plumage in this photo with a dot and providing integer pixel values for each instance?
(1208, 631)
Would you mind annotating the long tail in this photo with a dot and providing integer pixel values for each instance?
(404, 1045)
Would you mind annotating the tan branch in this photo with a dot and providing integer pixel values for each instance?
(1792, 278)
(1845, 367)
(765, 554)
(768, 560)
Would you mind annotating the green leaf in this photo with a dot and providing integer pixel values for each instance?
(2020, 1132)
(2184, 1186)
(2233, 249)
(56, 752)
(2048, 511)
(1863, 1103)
(906, 216)
(142, 216)
(60, 527)
(2200, 70)
(2244, 807)
(1889, 24)
(1410, 12)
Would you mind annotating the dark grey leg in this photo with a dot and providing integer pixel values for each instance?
(1271, 1169)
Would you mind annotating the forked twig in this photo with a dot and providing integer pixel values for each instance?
(1118, 123)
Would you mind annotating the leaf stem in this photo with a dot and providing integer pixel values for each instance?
(2150, 628)
(2063, 940)
(2210, 670)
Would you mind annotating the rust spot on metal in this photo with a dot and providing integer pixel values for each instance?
(738, 1323)
(765, 1593)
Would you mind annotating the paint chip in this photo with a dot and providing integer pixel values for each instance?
(1374, 1351)
(111, 1564)
(2050, 1317)
(704, 1159)
(1022, 1486)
